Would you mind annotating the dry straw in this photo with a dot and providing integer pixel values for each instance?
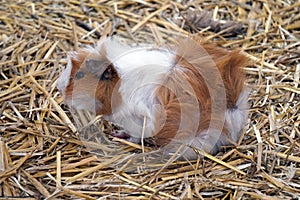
(41, 154)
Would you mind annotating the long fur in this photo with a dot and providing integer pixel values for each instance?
(192, 93)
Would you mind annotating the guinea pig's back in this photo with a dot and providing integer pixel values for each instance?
(204, 71)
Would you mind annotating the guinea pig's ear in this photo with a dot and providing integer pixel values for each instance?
(100, 66)
(110, 73)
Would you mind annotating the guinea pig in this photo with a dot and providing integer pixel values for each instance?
(190, 94)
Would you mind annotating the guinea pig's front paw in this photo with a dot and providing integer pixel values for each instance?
(120, 134)
(123, 135)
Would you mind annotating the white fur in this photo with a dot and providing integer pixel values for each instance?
(141, 70)
(209, 140)
(82, 101)
(235, 120)
(63, 80)
(128, 59)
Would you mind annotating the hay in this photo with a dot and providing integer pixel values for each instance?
(41, 154)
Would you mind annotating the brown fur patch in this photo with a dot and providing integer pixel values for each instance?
(76, 62)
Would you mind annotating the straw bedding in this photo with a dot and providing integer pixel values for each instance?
(41, 153)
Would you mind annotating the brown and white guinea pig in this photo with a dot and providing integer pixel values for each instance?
(191, 93)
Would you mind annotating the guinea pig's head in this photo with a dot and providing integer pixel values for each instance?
(89, 81)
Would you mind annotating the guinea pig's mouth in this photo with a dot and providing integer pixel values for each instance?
(84, 102)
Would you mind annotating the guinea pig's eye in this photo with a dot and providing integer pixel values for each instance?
(79, 75)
